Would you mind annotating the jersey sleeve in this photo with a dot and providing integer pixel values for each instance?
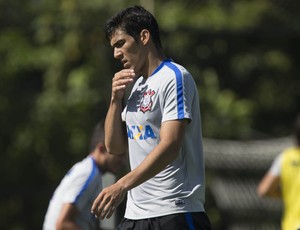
(78, 187)
(177, 99)
(276, 166)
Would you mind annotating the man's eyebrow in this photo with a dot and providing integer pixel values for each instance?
(117, 43)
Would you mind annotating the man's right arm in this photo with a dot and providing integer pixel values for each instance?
(270, 183)
(115, 130)
(115, 136)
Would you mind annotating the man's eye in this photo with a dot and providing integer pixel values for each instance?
(120, 44)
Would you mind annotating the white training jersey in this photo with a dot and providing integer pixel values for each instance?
(170, 93)
(275, 168)
(80, 187)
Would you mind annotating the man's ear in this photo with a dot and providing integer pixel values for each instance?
(101, 148)
(145, 36)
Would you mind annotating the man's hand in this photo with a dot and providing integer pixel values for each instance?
(120, 82)
(108, 200)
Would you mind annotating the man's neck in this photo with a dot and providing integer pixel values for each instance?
(153, 62)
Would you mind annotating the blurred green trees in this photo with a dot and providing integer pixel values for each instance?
(56, 70)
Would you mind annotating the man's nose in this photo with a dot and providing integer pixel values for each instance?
(117, 53)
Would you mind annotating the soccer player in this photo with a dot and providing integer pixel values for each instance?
(161, 126)
(69, 208)
(283, 181)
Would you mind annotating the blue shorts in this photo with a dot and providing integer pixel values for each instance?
(179, 221)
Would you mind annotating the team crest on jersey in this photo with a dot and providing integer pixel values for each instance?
(146, 101)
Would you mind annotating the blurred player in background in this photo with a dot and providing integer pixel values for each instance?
(283, 180)
(69, 208)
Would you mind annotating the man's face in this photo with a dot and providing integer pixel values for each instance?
(127, 50)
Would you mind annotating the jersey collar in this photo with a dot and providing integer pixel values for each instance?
(161, 65)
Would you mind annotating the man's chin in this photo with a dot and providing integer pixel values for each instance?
(127, 66)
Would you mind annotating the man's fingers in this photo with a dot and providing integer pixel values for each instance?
(96, 205)
(102, 208)
(111, 211)
(107, 211)
(125, 74)
(122, 82)
(107, 201)
(128, 72)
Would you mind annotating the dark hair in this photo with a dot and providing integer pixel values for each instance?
(97, 136)
(132, 21)
(297, 130)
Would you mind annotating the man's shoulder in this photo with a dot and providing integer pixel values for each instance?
(83, 167)
(291, 152)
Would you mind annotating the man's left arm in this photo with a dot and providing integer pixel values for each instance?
(67, 218)
(171, 136)
(269, 186)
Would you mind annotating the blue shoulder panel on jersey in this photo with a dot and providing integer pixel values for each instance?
(86, 184)
(178, 74)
